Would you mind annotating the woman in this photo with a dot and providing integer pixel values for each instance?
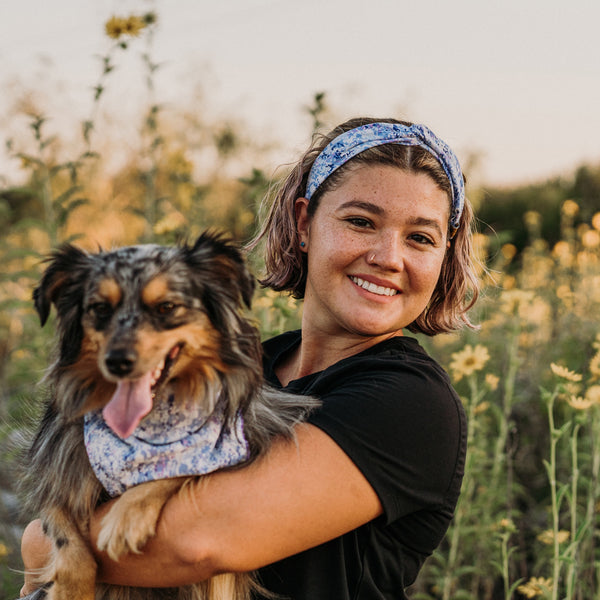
(372, 229)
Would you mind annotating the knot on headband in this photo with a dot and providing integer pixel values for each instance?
(347, 145)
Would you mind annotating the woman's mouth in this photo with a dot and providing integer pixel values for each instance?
(380, 290)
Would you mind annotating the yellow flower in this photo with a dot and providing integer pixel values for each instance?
(596, 221)
(469, 360)
(115, 27)
(570, 208)
(133, 25)
(492, 381)
(590, 239)
(536, 586)
(547, 537)
(3, 550)
(506, 525)
(593, 394)
(563, 372)
(481, 407)
(532, 218)
(579, 403)
(562, 250)
(508, 251)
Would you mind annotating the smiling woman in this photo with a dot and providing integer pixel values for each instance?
(372, 229)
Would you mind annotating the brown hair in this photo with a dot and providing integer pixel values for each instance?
(286, 265)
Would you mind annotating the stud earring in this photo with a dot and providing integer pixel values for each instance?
(302, 244)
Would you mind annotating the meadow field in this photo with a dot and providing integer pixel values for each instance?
(527, 521)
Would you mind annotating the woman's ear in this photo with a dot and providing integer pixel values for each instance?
(302, 221)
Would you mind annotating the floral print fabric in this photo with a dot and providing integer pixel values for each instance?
(357, 140)
(172, 441)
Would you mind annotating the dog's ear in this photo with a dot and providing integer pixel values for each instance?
(62, 285)
(218, 257)
(63, 271)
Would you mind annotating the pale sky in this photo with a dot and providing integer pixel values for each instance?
(517, 81)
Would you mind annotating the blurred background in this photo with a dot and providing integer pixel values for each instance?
(148, 120)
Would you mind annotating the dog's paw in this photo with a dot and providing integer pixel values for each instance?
(132, 520)
(125, 532)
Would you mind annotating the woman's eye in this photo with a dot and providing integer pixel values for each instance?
(422, 239)
(359, 222)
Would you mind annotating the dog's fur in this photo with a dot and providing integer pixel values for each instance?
(120, 314)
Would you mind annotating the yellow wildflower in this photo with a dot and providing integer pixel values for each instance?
(547, 537)
(133, 25)
(579, 403)
(469, 360)
(562, 250)
(596, 221)
(115, 27)
(3, 550)
(507, 525)
(532, 218)
(563, 372)
(570, 208)
(536, 586)
(481, 407)
(508, 251)
(492, 381)
(590, 239)
(593, 394)
(595, 366)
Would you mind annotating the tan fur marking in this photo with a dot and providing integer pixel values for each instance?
(155, 290)
(110, 290)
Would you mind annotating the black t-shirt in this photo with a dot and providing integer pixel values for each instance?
(392, 410)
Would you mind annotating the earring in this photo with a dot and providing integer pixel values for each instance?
(302, 244)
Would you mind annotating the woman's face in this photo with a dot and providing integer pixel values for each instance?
(375, 249)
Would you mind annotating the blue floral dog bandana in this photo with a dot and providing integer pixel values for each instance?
(347, 145)
(171, 441)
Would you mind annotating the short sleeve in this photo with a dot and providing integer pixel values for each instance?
(402, 425)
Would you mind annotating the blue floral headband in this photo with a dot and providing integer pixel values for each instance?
(347, 145)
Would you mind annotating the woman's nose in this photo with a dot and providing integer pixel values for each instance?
(387, 253)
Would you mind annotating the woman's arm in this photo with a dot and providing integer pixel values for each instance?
(297, 496)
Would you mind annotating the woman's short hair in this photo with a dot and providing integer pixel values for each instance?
(285, 263)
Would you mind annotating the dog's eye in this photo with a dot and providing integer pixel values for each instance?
(102, 310)
(165, 308)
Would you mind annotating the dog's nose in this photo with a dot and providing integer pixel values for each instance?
(120, 361)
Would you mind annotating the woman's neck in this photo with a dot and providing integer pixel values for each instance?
(316, 352)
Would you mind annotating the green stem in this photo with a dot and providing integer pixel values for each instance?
(554, 436)
(572, 571)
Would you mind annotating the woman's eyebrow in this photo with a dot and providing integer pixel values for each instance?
(363, 205)
(425, 222)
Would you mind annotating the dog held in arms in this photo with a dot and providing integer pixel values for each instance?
(153, 348)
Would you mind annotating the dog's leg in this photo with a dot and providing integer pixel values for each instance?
(72, 569)
(132, 520)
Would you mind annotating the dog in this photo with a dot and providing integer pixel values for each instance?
(141, 328)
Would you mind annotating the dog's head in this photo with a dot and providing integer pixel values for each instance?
(144, 322)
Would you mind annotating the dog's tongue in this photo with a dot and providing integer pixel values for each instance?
(130, 403)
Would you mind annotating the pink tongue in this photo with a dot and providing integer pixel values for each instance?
(130, 403)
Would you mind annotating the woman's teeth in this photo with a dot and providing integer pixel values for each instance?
(375, 289)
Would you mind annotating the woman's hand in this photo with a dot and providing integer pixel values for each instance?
(35, 551)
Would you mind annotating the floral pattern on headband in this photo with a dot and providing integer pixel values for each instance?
(347, 145)
(172, 441)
